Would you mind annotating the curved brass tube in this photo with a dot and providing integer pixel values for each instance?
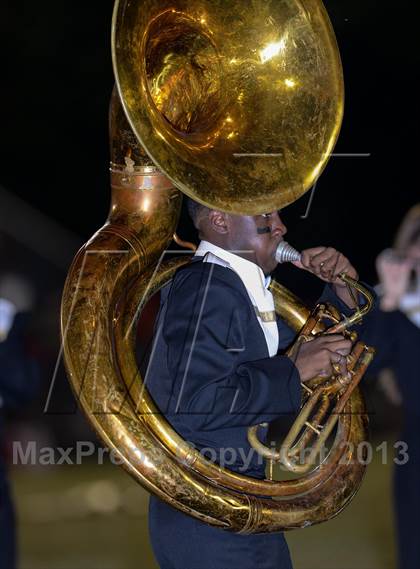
(351, 431)
(106, 384)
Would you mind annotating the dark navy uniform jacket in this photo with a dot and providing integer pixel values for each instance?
(210, 372)
(397, 341)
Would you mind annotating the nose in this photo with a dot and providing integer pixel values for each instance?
(278, 229)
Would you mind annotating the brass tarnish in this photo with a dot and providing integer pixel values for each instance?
(240, 104)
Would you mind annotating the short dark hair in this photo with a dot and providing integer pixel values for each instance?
(195, 209)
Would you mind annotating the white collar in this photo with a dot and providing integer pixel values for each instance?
(255, 283)
(251, 274)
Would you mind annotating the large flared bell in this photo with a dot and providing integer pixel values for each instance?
(239, 103)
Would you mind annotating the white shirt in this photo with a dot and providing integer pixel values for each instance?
(255, 283)
(410, 304)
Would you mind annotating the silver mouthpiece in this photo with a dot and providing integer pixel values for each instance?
(286, 253)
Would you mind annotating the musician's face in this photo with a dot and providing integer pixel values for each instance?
(256, 238)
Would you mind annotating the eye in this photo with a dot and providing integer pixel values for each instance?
(266, 215)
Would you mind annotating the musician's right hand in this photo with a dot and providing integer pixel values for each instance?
(315, 358)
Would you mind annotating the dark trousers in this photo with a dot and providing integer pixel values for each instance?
(407, 504)
(7, 528)
(181, 542)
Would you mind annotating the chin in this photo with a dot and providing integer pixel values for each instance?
(268, 270)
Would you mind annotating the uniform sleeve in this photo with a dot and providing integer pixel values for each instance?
(205, 330)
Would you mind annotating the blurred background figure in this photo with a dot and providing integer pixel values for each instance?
(19, 384)
(396, 336)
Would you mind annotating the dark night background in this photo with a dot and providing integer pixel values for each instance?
(56, 83)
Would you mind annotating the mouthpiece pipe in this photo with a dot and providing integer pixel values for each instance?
(286, 253)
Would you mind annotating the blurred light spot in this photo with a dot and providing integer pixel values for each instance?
(290, 83)
(145, 206)
(272, 50)
(147, 183)
(103, 497)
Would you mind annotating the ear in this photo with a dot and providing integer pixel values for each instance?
(219, 222)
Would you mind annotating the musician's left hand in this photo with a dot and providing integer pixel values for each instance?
(327, 263)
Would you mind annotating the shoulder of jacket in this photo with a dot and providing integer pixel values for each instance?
(217, 278)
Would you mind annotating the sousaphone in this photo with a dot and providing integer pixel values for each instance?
(238, 104)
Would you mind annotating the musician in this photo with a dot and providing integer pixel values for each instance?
(395, 332)
(218, 367)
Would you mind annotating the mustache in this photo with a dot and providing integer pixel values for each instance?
(262, 230)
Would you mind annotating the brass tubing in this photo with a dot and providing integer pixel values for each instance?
(308, 434)
(174, 443)
(88, 341)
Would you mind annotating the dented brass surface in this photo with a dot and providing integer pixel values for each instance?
(239, 102)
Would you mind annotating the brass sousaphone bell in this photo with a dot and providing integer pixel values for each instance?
(239, 103)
